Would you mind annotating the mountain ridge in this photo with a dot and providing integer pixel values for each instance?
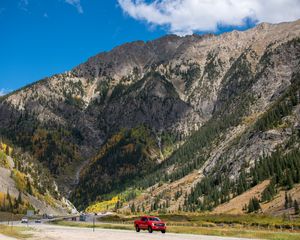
(195, 97)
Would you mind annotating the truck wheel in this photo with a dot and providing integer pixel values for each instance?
(163, 231)
(137, 228)
(150, 229)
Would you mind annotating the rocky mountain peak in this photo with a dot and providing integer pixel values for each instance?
(178, 105)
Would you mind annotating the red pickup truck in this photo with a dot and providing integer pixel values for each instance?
(150, 223)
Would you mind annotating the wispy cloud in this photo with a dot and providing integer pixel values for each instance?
(76, 4)
(23, 4)
(4, 91)
(188, 16)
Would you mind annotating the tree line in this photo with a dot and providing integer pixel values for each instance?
(282, 169)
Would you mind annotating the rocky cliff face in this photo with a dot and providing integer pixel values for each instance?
(198, 97)
(26, 184)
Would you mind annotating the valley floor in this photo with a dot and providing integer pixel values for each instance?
(77, 231)
(53, 232)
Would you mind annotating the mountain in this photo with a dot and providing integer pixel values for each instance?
(26, 184)
(178, 123)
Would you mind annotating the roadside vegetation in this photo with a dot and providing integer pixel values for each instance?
(8, 216)
(15, 232)
(247, 226)
(212, 220)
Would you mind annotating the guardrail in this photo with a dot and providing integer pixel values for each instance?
(11, 219)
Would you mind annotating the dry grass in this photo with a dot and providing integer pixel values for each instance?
(236, 232)
(213, 231)
(97, 225)
(276, 206)
(6, 216)
(213, 220)
(235, 205)
(273, 207)
(15, 232)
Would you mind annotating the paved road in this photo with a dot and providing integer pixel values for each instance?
(2, 237)
(52, 232)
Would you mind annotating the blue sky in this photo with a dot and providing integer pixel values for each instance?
(42, 37)
(50, 37)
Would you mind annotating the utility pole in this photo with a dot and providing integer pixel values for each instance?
(95, 214)
(94, 222)
(12, 221)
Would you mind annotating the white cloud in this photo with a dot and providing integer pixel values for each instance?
(4, 91)
(76, 4)
(187, 16)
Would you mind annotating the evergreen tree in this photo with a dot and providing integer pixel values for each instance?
(16, 205)
(242, 183)
(8, 197)
(19, 200)
(250, 206)
(253, 205)
(286, 201)
(290, 201)
(28, 187)
(118, 205)
(256, 204)
(296, 207)
(289, 181)
(132, 208)
(269, 192)
(7, 150)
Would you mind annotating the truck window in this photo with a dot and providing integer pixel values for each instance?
(154, 219)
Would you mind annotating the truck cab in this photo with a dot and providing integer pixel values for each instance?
(150, 223)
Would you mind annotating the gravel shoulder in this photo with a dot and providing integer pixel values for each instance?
(2, 237)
